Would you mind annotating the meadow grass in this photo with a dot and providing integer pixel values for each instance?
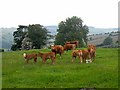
(102, 73)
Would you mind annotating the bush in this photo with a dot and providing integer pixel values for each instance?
(1, 50)
(108, 41)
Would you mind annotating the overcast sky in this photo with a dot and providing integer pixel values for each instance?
(96, 13)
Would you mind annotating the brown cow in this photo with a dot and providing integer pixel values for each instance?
(86, 56)
(92, 51)
(69, 47)
(30, 56)
(73, 42)
(91, 46)
(45, 56)
(77, 53)
(57, 49)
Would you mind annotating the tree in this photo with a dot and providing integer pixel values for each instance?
(72, 29)
(18, 37)
(26, 43)
(38, 34)
(108, 41)
(117, 42)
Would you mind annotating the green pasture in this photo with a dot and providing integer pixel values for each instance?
(102, 73)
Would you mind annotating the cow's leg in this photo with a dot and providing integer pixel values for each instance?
(81, 59)
(27, 60)
(85, 59)
(65, 51)
(35, 60)
(44, 61)
(55, 54)
(60, 55)
(73, 58)
(53, 62)
(94, 57)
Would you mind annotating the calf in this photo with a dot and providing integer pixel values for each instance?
(77, 53)
(86, 56)
(92, 51)
(69, 47)
(30, 56)
(91, 46)
(83, 55)
(73, 42)
(57, 49)
(45, 56)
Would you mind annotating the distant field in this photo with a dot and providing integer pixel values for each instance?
(103, 73)
(99, 39)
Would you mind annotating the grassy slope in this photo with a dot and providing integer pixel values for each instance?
(103, 73)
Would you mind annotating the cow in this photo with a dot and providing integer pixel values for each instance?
(57, 49)
(86, 56)
(77, 53)
(30, 56)
(91, 46)
(69, 47)
(92, 51)
(48, 55)
(73, 42)
(83, 55)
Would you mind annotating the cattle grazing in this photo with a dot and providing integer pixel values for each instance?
(86, 56)
(92, 51)
(73, 42)
(83, 55)
(30, 56)
(57, 49)
(77, 53)
(69, 47)
(48, 55)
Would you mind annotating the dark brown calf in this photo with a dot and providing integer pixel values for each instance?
(30, 56)
(69, 47)
(45, 56)
(73, 42)
(57, 49)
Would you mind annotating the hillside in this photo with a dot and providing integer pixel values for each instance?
(7, 37)
(98, 39)
(93, 30)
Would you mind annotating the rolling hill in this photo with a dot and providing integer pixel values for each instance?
(98, 39)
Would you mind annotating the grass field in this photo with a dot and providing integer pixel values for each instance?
(103, 73)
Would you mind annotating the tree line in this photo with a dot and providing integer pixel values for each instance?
(68, 30)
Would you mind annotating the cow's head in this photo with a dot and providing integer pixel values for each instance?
(24, 55)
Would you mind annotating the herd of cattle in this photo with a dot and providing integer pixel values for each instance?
(87, 55)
